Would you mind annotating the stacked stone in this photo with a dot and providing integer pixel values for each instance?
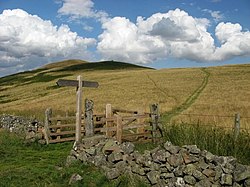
(28, 128)
(166, 165)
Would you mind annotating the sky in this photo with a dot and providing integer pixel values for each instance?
(153, 33)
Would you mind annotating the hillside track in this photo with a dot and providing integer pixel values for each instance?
(167, 116)
(164, 92)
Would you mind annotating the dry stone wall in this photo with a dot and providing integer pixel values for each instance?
(166, 165)
(28, 128)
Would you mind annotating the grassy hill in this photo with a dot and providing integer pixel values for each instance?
(212, 91)
(208, 95)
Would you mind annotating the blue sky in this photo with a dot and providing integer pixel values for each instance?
(154, 33)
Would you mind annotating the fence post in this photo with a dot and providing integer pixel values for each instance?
(89, 122)
(141, 122)
(154, 110)
(108, 123)
(236, 126)
(78, 109)
(119, 128)
(46, 131)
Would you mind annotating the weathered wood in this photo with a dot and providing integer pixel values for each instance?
(140, 121)
(64, 133)
(63, 118)
(46, 131)
(78, 109)
(74, 83)
(58, 130)
(109, 123)
(63, 125)
(119, 128)
(124, 111)
(236, 126)
(89, 122)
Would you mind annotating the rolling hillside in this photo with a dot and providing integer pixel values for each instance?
(221, 90)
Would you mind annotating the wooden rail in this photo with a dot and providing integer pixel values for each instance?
(132, 124)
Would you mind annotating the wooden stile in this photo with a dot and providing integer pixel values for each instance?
(109, 123)
(119, 128)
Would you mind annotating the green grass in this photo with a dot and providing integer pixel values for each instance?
(38, 165)
(216, 140)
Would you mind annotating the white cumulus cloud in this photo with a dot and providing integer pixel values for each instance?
(81, 9)
(25, 38)
(172, 34)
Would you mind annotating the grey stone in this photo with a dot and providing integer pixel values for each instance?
(70, 160)
(189, 158)
(209, 172)
(153, 176)
(198, 175)
(247, 182)
(175, 160)
(100, 160)
(209, 156)
(160, 156)
(112, 173)
(110, 146)
(82, 157)
(241, 173)
(135, 168)
(192, 149)
(179, 182)
(167, 175)
(178, 172)
(121, 166)
(203, 183)
(189, 179)
(171, 148)
(75, 178)
(127, 147)
(115, 157)
(202, 165)
(226, 179)
(189, 169)
(91, 151)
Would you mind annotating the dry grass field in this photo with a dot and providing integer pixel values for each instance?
(220, 91)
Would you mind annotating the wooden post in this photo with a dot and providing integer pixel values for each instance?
(154, 118)
(89, 122)
(58, 130)
(108, 123)
(119, 128)
(46, 131)
(141, 121)
(78, 109)
(236, 126)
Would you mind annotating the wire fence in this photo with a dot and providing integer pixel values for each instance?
(211, 120)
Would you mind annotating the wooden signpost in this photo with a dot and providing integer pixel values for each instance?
(79, 84)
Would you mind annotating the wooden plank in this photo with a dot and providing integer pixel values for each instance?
(58, 130)
(62, 118)
(124, 111)
(119, 129)
(109, 123)
(63, 125)
(62, 140)
(136, 134)
(74, 83)
(141, 121)
(78, 109)
(65, 133)
(111, 119)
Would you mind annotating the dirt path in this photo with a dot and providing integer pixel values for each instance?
(189, 101)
